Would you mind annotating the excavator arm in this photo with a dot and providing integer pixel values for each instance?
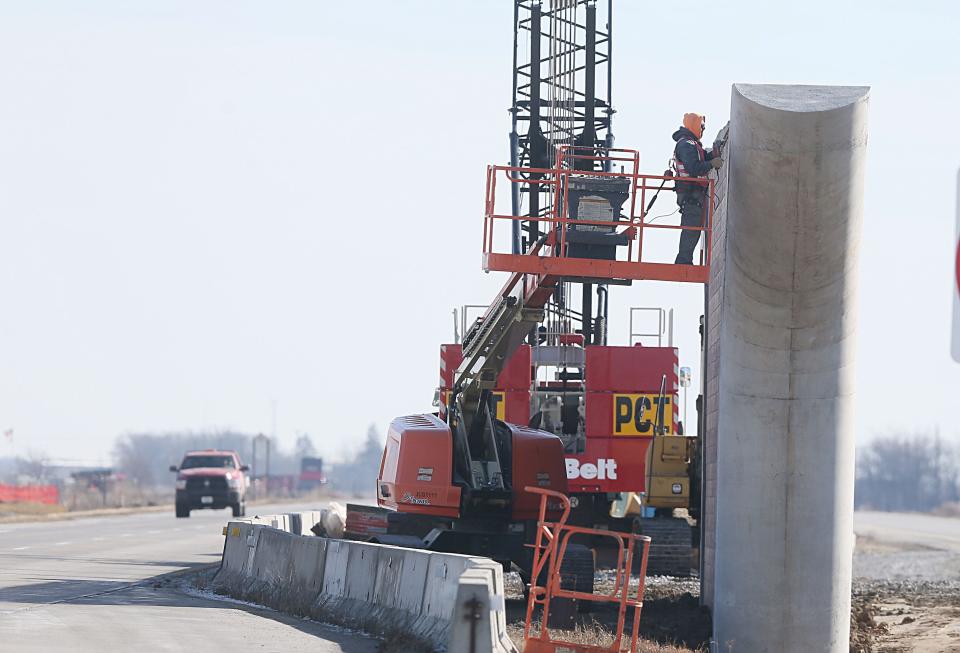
(487, 346)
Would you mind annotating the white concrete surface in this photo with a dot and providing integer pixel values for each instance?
(479, 615)
(402, 579)
(71, 586)
(785, 449)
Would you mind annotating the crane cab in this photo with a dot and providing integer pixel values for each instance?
(418, 475)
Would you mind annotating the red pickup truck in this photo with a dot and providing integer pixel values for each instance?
(211, 479)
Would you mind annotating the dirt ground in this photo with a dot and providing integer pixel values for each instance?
(905, 598)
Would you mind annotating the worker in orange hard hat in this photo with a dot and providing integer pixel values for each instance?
(691, 160)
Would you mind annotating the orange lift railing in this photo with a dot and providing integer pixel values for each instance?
(551, 254)
(551, 543)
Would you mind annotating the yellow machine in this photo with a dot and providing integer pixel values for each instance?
(668, 471)
(671, 481)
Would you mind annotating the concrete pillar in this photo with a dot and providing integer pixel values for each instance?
(784, 378)
(711, 367)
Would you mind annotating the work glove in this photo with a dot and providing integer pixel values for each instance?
(716, 162)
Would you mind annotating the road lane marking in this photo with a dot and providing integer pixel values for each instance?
(99, 539)
(20, 548)
(126, 535)
(61, 543)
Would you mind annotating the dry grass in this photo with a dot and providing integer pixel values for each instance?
(402, 644)
(30, 509)
(61, 513)
(25, 512)
(672, 620)
(593, 633)
(950, 509)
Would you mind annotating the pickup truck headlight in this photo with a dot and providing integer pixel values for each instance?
(234, 482)
(181, 484)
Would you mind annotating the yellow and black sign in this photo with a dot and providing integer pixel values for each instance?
(499, 403)
(637, 414)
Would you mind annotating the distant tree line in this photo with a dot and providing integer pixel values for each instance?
(146, 457)
(32, 467)
(917, 472)
(359, 475)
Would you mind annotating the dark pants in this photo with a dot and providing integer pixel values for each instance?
(691, 215)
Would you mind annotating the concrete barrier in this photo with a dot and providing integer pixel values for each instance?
(479, 615)
(306, 575)
(235, 549)
(388, 590)
(300, 523)
(272, 568)
(442, 576)
(401, 579)
(240, 548)
(295, 523)
(384, 590)
(273, 558)
(401, 590)
(361, 572)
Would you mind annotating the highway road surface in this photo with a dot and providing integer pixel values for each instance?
(908, 528)
(900, 546)
(85, 586)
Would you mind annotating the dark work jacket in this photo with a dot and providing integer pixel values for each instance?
(694, 158)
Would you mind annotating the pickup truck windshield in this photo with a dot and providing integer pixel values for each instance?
(191, 462)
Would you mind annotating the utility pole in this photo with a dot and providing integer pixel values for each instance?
(267, 465)
(273, 418)
(260, 437)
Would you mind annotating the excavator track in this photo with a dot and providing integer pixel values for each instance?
(671, 546)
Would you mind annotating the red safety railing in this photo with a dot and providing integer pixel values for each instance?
(47, 494)
(550, 547)
(550, 253)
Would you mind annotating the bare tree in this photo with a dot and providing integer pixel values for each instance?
(146, 457)
(907, 472)
(304, 447)
(33, 465)
(359, 475)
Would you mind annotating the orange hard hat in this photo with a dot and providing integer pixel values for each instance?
(695, 123)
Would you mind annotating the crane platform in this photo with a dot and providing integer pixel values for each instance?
(597, 226)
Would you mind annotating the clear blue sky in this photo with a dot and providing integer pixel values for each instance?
(208, 206)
